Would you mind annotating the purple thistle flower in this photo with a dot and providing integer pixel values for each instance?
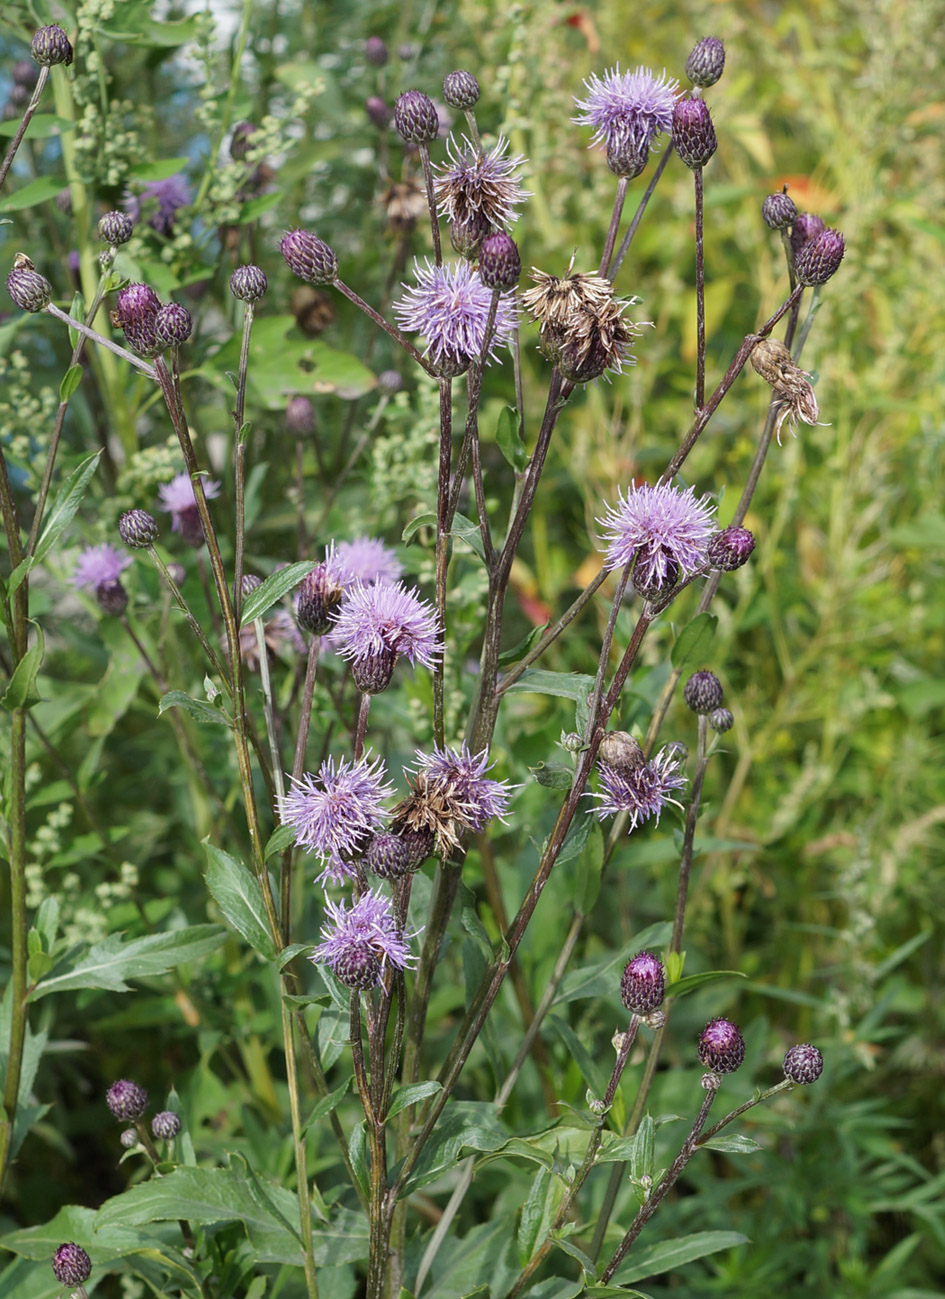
(100, 566)
(178, 498)
(638, 102)
(449, 306)
(368, 560)
(386, 618)
(335, 813)
(642, 791)
(169, 194)
(361, 940)
(71, 1265)
(459, 774)
(659, 525)
(478, 183)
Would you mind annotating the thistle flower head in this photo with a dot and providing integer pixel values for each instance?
(375, 51)
(805, 227)
(404, 202)
(126, 1100)
(461, 90)
(803, 1064)
(320, 592)
(368, 560)
(162, 199)
(819, 258)
(721, 1046)
(173, 324)
(136, 311)
(300, 416)
(639, 102)
(29, 290)
(793, 392)
(360, 941)
(138, 529)
(248, 283)
(50, 45)
(178, 498)
(706, 62)
(643, 984)
(460, 776)
(388, 856)
(693, 132)
(778, 210)
(721, 720)
(99, 566)
(702, 693)
(479, 183)
(166, 1125)
(621, 750)
(449, 306)
(730, 549)
(627, 154)
(659, 526)
(377, 624)
(582, 326)
(416, 118)
(115, 228)
(71, 1265)
(309, 257)
(500, 266)
(335, 813)
(641, 791)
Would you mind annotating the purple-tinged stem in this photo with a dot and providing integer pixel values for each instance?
(700, 290)
(239, 462)
(31, 108)
(442, 551)
(627, 240)
(615, 216)
(424, 151)
(388, 328)
(125, 355)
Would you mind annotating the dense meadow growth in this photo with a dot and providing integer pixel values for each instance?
(468, 497)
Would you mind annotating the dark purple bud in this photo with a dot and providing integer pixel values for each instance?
(643, 984)
(619, 749)
(50, 46)
(420, 844)
(248, 283)
(721, 1046)
(803, 1064)
(655, 590)
(703, 692)
(375, 51)
(693, 132)
(300, 417)
(705, 63)
(309, 257)
(359, 966)
(126, 1100)
(378, 112)
(387, 856)
(627, 152)
(319, 597)
(467, 236)
(372, 674)
(241, 140)
(500, 265)
(112, 597)
(819, 258)
(24, 74)
(173, 324)
(730, 548)
(28, 289)
(778, 210)
(416, 118)
(165, 1126)
(389, 381)
(461, 90)
(805, 227)
(136, 304)
(70, 1263)
(115, 228)
(138, 529)
(721, 720)
(249, 583)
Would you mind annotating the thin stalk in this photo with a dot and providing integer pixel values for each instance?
(552, 632)
(689, 835)
(239, 462)
(379, 320)
(125, 355)
(627, 240)
(364, 707)
(473, 128)
(301, 1161)
(192, 622)
(616, 214)
(31, 108)
(269, 714)
(700, 290)
(298, 766)
(785, 1085)
(442, 552)
(424, 151)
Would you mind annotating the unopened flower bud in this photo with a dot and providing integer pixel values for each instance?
(643, 984)
(378, 112)
(805, 227)
(112, 597)
(126, 1100)
(706, 62)
(248, 283)
(372, 673)
(28, 289)
(619, 749)
(420, 844)
(627, 152)
(50, 45)
(703, 692)
(651, 589)
(500, 266)
(70, 1263)
(300, 416)
(309, 257)
(320, 595)
(173, 324)
(693, 132)
(249, 583)
(166, 1125)
(416, 118)
(115, 228)
(819, 258)
(240, 140)
(129, 1138)
(461, 90)
(467, 236)
(730, 548)
(778, 210)
(721, 720)
(721, 1046)
(803, 1064)
(388, 856)
(177, 573)
(375, 51)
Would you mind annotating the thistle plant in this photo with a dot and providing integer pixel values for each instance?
(342, 873)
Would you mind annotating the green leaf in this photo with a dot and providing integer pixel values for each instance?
(553, 775)
(589, 869)
(239, 896)
(538, 1212)
(613, 1292)
(694, 640)
(109, 963)
(275, 587)
(508, 439)
(286, 361)
(592, 1070)
(669, 1255)
(693, 981)
(33, 192)
(160, 170)
(282, 837)
(22, 691)
(70, 381)
(198, 709)
(405, 1096)
(427, 519)
(41, 127)
(641, 1161)
(463, 1125)
(734, 1145)
(65, 504)
(566, 685)
(327, 1104)
(468, 531)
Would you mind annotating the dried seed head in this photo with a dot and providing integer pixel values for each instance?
(115, 228)
(404, 202)
(416, 118)
(309, 257)
(721, 1046)
(313, 309)
(51, 45)
(819, 258)
(706, 62)
(795, 397)
(778, 210)
(643, 984)
(703, 692)
(248, 283)
(166, 1125)
(803, 1064)
(29, 290)
(730, 548)
(620, 750)
(70, 1263)
(461, 90)
(693, 132)
(173, 324)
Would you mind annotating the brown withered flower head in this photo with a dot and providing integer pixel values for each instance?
(432, 810)
(794, 395)
(582, 326)
(404, 202)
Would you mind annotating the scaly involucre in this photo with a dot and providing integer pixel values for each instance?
(642, 791)
(449, 306)
(385, 617)
(335, 813)
(359, 941)
(639, 103)
(657, 525)
(479, 183)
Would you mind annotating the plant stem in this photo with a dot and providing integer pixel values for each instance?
(378, 319)
(301, 1163)
(689, 834)
(552, 632)
(614, 226)
(442, 552)
(212, 656)
(125, 355)
(424, 151)
(700, 291)
(269, 715)
(627, 240)
(30, 109)
(239, 463)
